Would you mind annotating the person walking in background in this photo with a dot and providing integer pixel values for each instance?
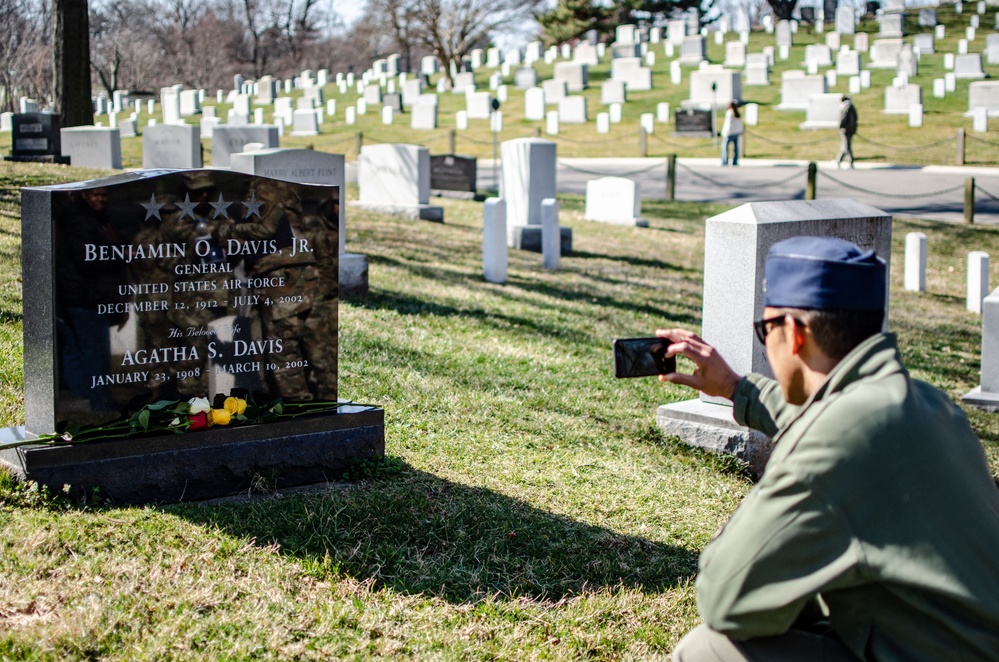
(731, 132)
(847, 127)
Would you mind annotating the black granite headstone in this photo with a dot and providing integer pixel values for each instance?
(693, 122)
(37, 137)
(171, 285)
(451, 172)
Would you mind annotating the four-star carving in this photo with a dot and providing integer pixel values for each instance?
(187, 207)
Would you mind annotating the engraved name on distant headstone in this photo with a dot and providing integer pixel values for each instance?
(693, 122)
(452, 172)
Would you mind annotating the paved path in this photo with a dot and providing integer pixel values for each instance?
(931, 192)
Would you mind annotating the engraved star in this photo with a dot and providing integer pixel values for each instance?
(187, 207)
(220, 208)
(253, 205)
(153, 208)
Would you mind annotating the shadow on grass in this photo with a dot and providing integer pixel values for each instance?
(633, 261)
(417, 533)
(408, 305)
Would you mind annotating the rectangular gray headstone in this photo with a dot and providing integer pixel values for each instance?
(228, 140)
(171, 146)
(395, 179)
(92, 147)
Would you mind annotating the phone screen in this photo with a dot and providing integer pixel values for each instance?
(642, 357)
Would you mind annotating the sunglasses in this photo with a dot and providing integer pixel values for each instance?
(765, 326)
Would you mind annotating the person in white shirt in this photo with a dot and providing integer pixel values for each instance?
(731, 131)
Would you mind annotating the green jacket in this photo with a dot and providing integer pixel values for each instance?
(878, 501)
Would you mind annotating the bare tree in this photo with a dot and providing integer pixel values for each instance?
(390, 26)
(23, 48)
(300, 25)
(452, 28)
(123, 51)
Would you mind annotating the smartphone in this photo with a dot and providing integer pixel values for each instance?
(642, 357)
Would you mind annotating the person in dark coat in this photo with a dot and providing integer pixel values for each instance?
(847, 129)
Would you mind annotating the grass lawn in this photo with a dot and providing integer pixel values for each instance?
(528, 507)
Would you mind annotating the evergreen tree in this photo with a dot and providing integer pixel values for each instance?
(571, 19)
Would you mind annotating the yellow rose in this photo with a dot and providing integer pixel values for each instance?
(219, 417)
(235, 405)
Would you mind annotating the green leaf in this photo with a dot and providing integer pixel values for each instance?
(161, 404)
(144, 419)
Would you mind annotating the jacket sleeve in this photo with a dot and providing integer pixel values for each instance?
(782, 547)
(759, 403)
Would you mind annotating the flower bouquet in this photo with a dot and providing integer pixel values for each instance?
(182, 416)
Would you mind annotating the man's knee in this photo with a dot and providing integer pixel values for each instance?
(702, 644)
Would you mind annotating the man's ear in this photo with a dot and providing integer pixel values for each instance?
(798, 332)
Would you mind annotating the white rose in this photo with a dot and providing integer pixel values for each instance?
(199, 405)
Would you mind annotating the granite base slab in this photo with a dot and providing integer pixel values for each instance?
(457, 195)
(528, 238)
(207, 464)
(45, 158)
(711, 426)
(984, 400)
(415, 212)
(627, 222)
(353, 274)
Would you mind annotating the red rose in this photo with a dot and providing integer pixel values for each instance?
(198, 421)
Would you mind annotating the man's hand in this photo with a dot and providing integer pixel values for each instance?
(713, 376)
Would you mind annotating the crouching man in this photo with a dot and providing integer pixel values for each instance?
(874, 532)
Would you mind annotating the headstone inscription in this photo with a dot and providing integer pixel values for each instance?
(693, 122)
(309, 166)
(155, 286)
(36, 137)
(735, 249)
(453, 175)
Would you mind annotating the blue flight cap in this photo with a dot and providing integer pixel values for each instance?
(823, 273)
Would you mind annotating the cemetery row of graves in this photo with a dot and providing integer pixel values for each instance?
(586, 544)
(917, 78)
(505, 495)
